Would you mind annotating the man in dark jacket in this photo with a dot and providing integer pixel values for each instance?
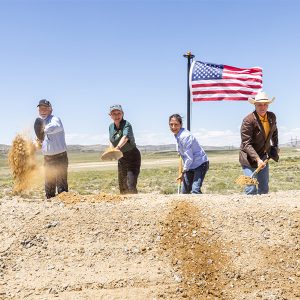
(259, 140)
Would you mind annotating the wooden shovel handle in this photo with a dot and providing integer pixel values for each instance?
(260, 167)
(180, 169)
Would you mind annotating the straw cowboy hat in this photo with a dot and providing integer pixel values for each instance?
(261, 97)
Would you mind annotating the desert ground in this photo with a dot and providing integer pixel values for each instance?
(93, 243)
(151, 246)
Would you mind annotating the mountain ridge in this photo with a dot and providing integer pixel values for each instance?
(143, 148)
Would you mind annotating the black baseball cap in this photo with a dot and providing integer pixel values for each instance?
(44, 102)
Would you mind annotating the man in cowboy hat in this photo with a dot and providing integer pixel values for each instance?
(259, 141)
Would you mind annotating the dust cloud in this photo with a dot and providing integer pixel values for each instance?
(24, 165)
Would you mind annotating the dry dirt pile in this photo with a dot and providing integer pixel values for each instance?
(72, 198)
(151, 247)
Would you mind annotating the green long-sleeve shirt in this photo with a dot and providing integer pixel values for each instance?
(115, 135)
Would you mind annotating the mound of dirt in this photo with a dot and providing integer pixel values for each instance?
(151, 247)
(72, 198)
(198, 260)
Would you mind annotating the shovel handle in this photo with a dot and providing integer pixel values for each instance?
(179, 179)
(260, 167)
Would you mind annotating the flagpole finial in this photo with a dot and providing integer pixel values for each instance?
(189, 55)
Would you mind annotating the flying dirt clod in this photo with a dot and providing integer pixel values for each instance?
(22, 161)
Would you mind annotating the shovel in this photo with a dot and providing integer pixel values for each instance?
(111, 154)
(179, 178)
(250, 180)
(259, 168)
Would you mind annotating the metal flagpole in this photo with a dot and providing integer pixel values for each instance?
(189, 57)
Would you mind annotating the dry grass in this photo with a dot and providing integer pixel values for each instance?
(224, 170)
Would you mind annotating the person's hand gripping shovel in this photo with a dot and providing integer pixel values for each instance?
(180, 175)
(251, 180)
(111, 154)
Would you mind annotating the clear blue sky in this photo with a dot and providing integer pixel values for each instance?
(85, 55)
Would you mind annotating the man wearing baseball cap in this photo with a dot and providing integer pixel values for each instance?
(54, 149)
(259, 141)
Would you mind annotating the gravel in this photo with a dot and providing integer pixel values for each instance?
(151, 246)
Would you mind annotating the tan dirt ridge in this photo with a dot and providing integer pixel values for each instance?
(151, 246)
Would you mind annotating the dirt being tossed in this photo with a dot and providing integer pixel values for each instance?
(151, 246)
(243, 180)
(23, 163)
(198, 260)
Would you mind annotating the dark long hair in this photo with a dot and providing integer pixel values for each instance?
(177, 117)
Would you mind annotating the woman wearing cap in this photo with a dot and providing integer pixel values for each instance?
(121, 137)
(259, 141)
(195, 161)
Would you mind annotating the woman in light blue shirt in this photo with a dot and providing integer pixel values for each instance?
(195, 161)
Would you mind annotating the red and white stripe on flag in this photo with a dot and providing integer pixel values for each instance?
(216, 82)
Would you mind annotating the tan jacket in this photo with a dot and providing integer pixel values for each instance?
(254, 143)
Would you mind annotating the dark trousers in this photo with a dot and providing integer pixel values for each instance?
(193, 179)
(56, 174)
(128, 171)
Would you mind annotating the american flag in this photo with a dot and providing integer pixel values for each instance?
(213, 82)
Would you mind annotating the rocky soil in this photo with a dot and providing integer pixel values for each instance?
(150, 246)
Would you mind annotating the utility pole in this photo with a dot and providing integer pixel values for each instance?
(189, 56)
(294, 142)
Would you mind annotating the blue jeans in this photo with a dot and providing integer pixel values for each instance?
(193, 179)
(263, 181)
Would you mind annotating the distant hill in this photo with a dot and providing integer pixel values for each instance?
(4, 148)
(101, 148)
(143, 148)
(87, 148)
